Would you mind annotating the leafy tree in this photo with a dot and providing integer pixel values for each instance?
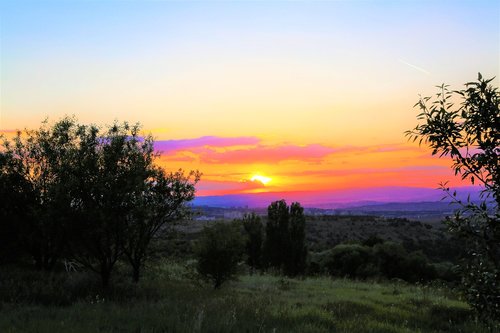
(255, 236)
(95, 195)
(14, 200)
(219, 250)
(277, 235)
(470, 135)
(296, 263)
(122, 199)
(161, 202)
(35, 166)
(284, 245)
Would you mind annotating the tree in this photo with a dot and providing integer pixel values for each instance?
(296, 263)
(255, 236)
(277, 234)
(35, 166)
(14, 201)
(219, 250)
(284, 245)
(90, 193)
(122, 199)
(470, 135)
(161, 203)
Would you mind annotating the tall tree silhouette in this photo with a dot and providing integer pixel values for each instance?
(284, 246)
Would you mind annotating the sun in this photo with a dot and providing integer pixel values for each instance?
(262, 179)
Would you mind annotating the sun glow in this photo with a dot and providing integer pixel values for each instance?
(262, 179)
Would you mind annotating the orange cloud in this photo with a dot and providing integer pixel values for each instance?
(228, 163)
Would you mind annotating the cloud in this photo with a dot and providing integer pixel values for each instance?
(204, 141)
(214, 187)
(266, 154)
(364, 171)
(251, 150)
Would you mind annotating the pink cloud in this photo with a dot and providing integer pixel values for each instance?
(204, 141)
(246, 150)
(266, 154)
(213, 187)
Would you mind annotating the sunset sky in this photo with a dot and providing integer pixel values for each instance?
(306, 95)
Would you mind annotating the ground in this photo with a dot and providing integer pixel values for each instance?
(167, 300)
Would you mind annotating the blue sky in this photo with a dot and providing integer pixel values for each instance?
(293, 75)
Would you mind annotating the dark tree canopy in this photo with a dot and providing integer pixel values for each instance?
(255, 237)
(284, 246)
(91, 194)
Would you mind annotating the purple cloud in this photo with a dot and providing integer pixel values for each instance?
(212, 141)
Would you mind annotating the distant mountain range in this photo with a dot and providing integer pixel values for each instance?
(359, 197)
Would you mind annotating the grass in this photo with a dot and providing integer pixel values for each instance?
(165, 301)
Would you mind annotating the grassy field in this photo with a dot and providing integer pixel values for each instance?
(166, 301)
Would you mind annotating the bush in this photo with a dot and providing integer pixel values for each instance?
(417, 268)
(351, 260)
(480, 286)
(391, 259)
(387, 259)
(447, 271)
(219, 250)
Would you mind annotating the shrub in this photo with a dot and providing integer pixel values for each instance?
(219, 250)
(351, 260)
(391, 259)
(417, 268)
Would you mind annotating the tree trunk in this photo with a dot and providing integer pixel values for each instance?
(136, 274)
(105, 276)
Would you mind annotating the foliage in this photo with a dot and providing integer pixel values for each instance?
(255, 236)
(470, 135)
(277, 235)
(219, 250)
(350, 260)
(35, 165)
(296, 263)
(384, 260)
(91, 194)
(284, 245)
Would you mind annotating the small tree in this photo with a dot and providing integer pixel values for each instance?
(219, 250)
(161, 202)
(470, 135)
(122, 200)
(255, 236)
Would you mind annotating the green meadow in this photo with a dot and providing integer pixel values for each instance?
(171, 299)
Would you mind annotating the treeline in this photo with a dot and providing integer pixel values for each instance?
(86, 195)
(375, 258)
(278, 246)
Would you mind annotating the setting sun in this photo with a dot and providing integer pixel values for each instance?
(262, 179)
